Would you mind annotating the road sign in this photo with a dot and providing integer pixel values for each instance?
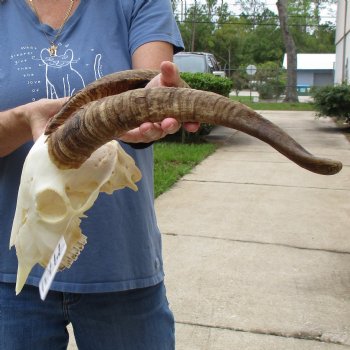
(251, 69)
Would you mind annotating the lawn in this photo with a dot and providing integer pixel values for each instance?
(174, 160)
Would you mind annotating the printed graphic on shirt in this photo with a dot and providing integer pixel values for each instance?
(55, 76)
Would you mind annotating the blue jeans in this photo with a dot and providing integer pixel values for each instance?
(138, 319)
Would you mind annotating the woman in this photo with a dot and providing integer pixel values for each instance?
(114, 294)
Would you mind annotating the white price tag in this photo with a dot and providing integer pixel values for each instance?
(52, 267)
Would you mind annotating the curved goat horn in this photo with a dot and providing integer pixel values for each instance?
(111, 84)
(105, 119)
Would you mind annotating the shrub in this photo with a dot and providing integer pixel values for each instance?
(239, 81)
(206, 82)
(270, 82)
(271, 89)
(333, 101)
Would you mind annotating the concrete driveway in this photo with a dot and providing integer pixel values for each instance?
(256, 249)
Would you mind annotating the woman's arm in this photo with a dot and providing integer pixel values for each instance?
(25, 123)
(151, 55)
(14, 131)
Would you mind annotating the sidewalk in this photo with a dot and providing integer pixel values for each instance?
(256, 249)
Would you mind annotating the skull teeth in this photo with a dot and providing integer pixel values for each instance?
(73, 253)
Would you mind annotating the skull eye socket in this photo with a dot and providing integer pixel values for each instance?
(50, 206)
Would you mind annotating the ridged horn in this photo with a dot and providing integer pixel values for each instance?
(103, 120)
(111, 84)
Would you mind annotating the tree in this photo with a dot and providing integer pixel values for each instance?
(210, 6)
(223, 12)
(174, 3)
(257, 35)
(320, 5)
(252, 7)
(228, 43)
(309, 34)
(264, 41)
(291, 52)
(197, 29)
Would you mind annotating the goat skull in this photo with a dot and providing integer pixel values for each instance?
(51, 202)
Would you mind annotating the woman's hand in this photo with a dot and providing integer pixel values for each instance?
(25, 123)
(39, 112)
(148, 132)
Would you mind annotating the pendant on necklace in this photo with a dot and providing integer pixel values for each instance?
(53, 49)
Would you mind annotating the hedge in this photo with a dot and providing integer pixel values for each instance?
(333, 101)
(208, 82)
(205, 82)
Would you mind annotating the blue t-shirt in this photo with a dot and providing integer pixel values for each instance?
(124, 245)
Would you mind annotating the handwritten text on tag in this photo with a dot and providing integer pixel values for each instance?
(51, 268)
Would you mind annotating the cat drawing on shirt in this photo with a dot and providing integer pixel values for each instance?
(65, 82)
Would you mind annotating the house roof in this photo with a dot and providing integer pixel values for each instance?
(313, 61)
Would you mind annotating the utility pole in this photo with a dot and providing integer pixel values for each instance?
(194, 19)
(182, 11)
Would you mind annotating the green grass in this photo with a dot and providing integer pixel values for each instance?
(274, 106)
(174, 160)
